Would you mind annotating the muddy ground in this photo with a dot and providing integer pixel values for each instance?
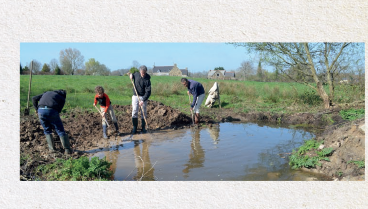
(85, 133)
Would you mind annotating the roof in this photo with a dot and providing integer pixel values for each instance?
(184, 71)
(230, 74)
(163, 69)
(211, 72)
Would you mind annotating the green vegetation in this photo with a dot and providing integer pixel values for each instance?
(352, 114)
(81, 169)
(241, 96)
(360, 163)
(297, 159)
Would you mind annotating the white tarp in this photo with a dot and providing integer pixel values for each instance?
(213, 94)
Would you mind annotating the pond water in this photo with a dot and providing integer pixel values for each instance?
(223, 152)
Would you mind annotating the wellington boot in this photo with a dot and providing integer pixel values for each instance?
(65, 142)
(50, 143)
(144, 126)
(135, 124)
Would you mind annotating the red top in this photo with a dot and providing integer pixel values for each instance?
(104, 101)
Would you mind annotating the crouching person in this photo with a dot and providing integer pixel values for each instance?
(105, 105)
(48, 106)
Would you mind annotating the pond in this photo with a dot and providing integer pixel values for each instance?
(223, 152)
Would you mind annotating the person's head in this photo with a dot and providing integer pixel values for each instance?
(61, 92)
(185, 82)
(99, 90)
(143, 70)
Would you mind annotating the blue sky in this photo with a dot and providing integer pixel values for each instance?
(196, 56)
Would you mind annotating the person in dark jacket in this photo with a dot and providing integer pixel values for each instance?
(196, 89)
(142, 84)
(48, 106)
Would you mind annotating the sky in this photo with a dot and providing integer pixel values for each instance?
(197, 57)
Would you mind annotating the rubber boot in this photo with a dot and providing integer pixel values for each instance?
(144, 126)
(50, 143)
(135, 124)
(116, 129)
(104, 131)
(65, 142)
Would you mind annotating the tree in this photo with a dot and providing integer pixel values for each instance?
(93, 67)
(309, 59)
(53, 64)
(57, 70)
(21, 69)
(36, 67)
(71, 60)
(259, 71)
(25, 69)
(133, 70)
(219, 68)
(45, 68)
(246, 69)
(136, 64)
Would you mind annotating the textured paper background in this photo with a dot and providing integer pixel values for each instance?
(166, 21)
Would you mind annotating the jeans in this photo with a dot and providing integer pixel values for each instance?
(50, 118)
(198, 103)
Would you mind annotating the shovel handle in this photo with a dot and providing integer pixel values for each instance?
(101, 115)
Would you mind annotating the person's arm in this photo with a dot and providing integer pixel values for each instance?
(95, 102)
(147, 93)
(107, 102)
(35, 100)
(194, 93)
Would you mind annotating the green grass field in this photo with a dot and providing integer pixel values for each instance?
(241, 96)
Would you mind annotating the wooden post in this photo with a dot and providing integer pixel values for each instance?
(26, 111)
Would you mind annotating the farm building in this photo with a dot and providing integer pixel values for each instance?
(221, 74)
(170, 71)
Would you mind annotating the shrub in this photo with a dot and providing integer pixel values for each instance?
(352, 114)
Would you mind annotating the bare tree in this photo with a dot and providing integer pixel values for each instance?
(246, 69)
(136, 64)
(36, 68)
(71, 60)
(53, 64)
(309, 59)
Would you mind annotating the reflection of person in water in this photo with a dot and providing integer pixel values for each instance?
(143, 168)
(214, 132)
(196, 156)
(112, 156)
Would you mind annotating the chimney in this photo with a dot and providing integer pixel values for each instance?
(175, 65)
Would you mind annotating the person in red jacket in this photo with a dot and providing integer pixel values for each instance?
(106, 107)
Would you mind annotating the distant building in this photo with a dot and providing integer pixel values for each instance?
(221, 75)
(169, 71)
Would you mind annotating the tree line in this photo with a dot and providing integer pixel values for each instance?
(71, 62)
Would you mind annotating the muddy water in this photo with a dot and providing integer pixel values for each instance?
(223, 152)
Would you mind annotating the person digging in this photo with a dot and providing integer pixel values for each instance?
(142, 84)
(106, 107)
(48, 107)
(196, 89)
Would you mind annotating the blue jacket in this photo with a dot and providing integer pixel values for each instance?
(196, 89)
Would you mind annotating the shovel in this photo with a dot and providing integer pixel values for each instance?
(103, 117)
(191, 110)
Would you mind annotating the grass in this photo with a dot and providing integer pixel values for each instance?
(298, 158)
(352, 114)
(359, 163)
(81, 169)
(242, 96)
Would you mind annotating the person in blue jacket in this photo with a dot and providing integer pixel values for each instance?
(196, 89)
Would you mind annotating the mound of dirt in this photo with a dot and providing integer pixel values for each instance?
(348, 143)
(85, 130)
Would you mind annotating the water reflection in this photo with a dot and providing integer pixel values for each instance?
(196, 155)
(247, 152)
(142, 161)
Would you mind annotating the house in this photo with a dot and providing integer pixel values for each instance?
(169, 71)
(221, 74)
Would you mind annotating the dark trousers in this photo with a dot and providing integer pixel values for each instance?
(50, 118)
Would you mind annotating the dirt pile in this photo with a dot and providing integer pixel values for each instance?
(348, 143)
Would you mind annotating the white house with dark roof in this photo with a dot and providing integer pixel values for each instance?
(169, 71)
